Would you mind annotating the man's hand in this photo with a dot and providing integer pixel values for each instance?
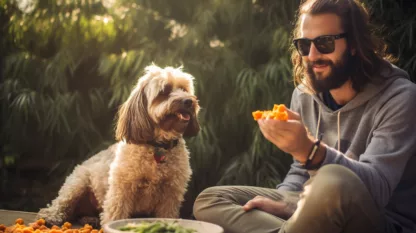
(290, 136)
(275, 208)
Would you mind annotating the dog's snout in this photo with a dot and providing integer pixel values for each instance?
(187, 103)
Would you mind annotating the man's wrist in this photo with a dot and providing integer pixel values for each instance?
(319, 157)
(315, 156)
(302, 156)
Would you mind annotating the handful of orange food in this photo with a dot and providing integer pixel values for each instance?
(278, 113)
(39, 227)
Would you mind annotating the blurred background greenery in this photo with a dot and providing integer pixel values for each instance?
(66, 66)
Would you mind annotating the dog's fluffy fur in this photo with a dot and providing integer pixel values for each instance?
(126, 180)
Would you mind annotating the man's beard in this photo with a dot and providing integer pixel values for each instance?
(339, 73)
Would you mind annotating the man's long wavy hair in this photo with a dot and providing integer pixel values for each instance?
(370, 57)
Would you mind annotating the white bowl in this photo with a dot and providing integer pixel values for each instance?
(199, 226)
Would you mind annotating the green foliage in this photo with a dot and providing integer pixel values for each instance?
(72, 63)
(399, 30)
(68, 64)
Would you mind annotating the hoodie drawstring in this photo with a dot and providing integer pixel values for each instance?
(339, 130)
(319, 122)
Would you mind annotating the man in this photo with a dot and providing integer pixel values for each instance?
(351, 132)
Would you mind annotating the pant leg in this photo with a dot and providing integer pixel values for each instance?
(335, 200)
(222, 205)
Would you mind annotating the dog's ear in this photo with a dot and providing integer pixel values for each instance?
(134, 124)
(193, 127)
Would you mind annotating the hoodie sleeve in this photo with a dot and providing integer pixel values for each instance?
(296, 176)
(393, 142)
(294, 179)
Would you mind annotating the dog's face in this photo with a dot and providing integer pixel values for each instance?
(161, 107)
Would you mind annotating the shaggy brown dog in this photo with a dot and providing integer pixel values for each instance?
(147, 171)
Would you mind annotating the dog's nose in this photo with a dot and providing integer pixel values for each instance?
(187, 103)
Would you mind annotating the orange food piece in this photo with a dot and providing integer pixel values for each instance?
(67, 225)
(282, 116)
(19, 221)
(278, 113)
(10, 229)
(87, 226)
(34, 225)
(257, 115)
(41, 222)
(279, 108)
(28, 230)
(40, 227)
(266, 115)
(56, 231)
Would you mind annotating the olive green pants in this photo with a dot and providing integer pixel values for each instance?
(335, 200)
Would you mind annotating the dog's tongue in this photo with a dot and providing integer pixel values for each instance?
(184, 116)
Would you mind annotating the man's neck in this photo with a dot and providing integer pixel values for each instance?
(343, 94)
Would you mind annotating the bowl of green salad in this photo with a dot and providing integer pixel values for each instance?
(160, 225)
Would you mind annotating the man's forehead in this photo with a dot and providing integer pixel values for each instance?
(313, 26)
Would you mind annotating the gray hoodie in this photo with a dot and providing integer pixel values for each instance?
(377, 135)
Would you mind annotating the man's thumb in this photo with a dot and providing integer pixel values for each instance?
(292, 115)
(251, 204)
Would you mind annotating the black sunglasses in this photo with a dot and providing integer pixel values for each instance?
(324, 44)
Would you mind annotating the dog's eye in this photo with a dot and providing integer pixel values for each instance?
(166, 90)
(183, 89)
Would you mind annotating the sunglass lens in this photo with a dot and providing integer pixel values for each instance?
(325, 44)
(303, 46)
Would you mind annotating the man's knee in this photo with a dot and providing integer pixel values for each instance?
(333, 181)
(206, 199)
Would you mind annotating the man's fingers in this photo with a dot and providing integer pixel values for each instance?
(258, 197)
(248, 206)
(278, 125)
(253, 203)
(270, 135)
(273, 126)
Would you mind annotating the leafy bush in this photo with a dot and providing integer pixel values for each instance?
(66, 66)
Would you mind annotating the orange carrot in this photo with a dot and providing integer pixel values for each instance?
(278, 113)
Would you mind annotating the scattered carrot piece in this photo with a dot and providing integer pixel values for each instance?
(279, 112)
(41, 222)
(40, 227)
(19, 221)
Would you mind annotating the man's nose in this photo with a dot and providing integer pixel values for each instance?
(314, 54)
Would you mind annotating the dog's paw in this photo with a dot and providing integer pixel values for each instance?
(104, 218)
(51, 216)
(52, 221)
